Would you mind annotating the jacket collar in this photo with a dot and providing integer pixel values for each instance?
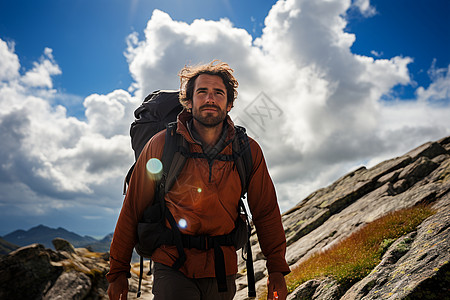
(182, 128)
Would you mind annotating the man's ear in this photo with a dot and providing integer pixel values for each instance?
(189, 104)
(229, 106)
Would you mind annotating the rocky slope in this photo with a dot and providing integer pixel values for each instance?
(330, 214)
(416, 266)
(35, 272)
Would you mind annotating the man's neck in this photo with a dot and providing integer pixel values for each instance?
(209, 135)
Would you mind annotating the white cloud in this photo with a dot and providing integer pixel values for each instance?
(40, 75)
(365, 8)
(327, 114)
(333, 118)
(169, 45)
(439, 89)
(376, 53)
(47, 155)
(9, 64)
(110, 114)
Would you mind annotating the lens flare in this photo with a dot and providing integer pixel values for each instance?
(182, 223)
(154, 166)
(199, 190)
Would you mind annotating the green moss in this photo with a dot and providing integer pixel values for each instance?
(300, 222)
(385, 244)
(324, 204)
(403, 246)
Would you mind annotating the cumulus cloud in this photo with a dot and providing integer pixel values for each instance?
(439, 89)
(313, 105)
(331, 117)
(49, 157)
(168, 45)
(9, 64)
(40, 75)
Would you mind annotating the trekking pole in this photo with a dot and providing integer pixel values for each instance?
(141, 270)
(250, 272)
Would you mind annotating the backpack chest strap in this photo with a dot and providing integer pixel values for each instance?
(204, 242)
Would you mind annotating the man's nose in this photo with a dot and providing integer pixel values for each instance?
(210, 97)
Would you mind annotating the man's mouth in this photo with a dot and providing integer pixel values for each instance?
(209, 109)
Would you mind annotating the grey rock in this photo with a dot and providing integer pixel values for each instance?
(415, 265)
(27, 272)
(63, 245)
(429, 150)
(260, 269)
(316, 289)
(317, 208)
(418, 170)
(331, 214)
(328, 289)
(72, 285)
(305, 291)
(35, 272)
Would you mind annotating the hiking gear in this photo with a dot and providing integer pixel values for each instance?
(152, 230)
(158, 109)
(211, 211)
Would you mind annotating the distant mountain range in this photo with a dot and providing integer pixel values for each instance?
(44, 235)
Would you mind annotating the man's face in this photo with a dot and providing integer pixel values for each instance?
(209, 100)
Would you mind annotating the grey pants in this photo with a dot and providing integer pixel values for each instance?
(170, 284)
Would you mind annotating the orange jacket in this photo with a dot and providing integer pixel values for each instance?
(207, 202)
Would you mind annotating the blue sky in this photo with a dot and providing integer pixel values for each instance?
(419, 29)
(88, 37)
(356, 82)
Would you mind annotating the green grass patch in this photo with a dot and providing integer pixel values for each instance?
(355, 257)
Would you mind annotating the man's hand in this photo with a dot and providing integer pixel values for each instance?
(276, 283)
(118, 289)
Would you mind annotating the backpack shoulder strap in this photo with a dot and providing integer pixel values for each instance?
(173, 162)
(127, 178)
(244, 161)
(172, 159)
(244, 165)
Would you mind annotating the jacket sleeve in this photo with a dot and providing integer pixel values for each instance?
(139, 195)
(262, 201)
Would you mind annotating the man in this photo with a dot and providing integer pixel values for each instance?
(203, 200)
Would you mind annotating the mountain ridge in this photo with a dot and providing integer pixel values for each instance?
(44, 235)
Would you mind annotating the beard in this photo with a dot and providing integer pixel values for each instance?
(209, 119)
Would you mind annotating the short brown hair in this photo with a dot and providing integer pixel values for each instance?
(189, 74)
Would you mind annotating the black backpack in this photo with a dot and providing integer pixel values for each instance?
(158, 111)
